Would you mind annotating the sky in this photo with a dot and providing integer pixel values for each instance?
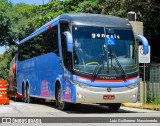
(30, 2)
(2, 49)
(36, 2)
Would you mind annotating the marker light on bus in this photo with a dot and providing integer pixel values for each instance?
(133, 96)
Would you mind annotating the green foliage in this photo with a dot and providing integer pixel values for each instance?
(109, 7)
(5, 60)
(5, 24)
(149, 13)
(20, 14)
(45, 13)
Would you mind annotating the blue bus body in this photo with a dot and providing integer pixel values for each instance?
(38, 72)
(70, 77)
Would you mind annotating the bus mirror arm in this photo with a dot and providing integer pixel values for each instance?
(144, 42)
(69, 40)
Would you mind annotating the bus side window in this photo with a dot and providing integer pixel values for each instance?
(41, 44)
(35, 46)
(24, 52)
(50, 40)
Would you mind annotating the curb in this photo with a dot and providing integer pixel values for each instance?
(131, 105)
(141, 106)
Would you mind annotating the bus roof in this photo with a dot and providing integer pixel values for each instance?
(98, 20)
(95, 20)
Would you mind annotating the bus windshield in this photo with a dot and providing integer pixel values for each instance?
(104, 50)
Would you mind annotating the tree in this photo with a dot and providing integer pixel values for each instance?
(109, 7)
(5, 24)
(20, 15)
(53, 9)
(5, 60)
(148, 13)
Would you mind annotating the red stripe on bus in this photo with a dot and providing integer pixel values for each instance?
(98, 80)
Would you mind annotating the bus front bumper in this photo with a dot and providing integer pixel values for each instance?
(101, 95)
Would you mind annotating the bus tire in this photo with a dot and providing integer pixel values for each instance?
(24, 95)
(24, 92)
(61, 104)
(28, 97)
(114, 106)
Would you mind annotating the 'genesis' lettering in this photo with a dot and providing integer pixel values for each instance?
(94, 35)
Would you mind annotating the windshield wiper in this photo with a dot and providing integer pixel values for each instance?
(119, 65)
(98, 67)
(115, 68)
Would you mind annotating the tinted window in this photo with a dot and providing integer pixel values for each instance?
(43, 43)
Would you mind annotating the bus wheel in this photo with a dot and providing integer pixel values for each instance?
(61, 104)
(114, 106)
(28, 98)
(24, 95)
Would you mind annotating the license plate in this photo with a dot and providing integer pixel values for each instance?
(109, 97)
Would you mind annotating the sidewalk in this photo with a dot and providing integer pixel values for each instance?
(142, 106)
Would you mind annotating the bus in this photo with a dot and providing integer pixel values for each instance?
(12, 84)
(80, 58)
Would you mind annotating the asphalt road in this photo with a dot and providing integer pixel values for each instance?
(90, 115)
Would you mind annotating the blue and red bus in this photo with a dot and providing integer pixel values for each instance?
(80, 58)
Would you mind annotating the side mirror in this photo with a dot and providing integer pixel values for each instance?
(144, 42)
(69, 40)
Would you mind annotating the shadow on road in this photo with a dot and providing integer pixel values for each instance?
(87, 108)
(83, 108)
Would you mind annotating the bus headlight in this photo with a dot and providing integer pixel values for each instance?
(132, 86)
(80, 96)
(79, 84)
(133, 96)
